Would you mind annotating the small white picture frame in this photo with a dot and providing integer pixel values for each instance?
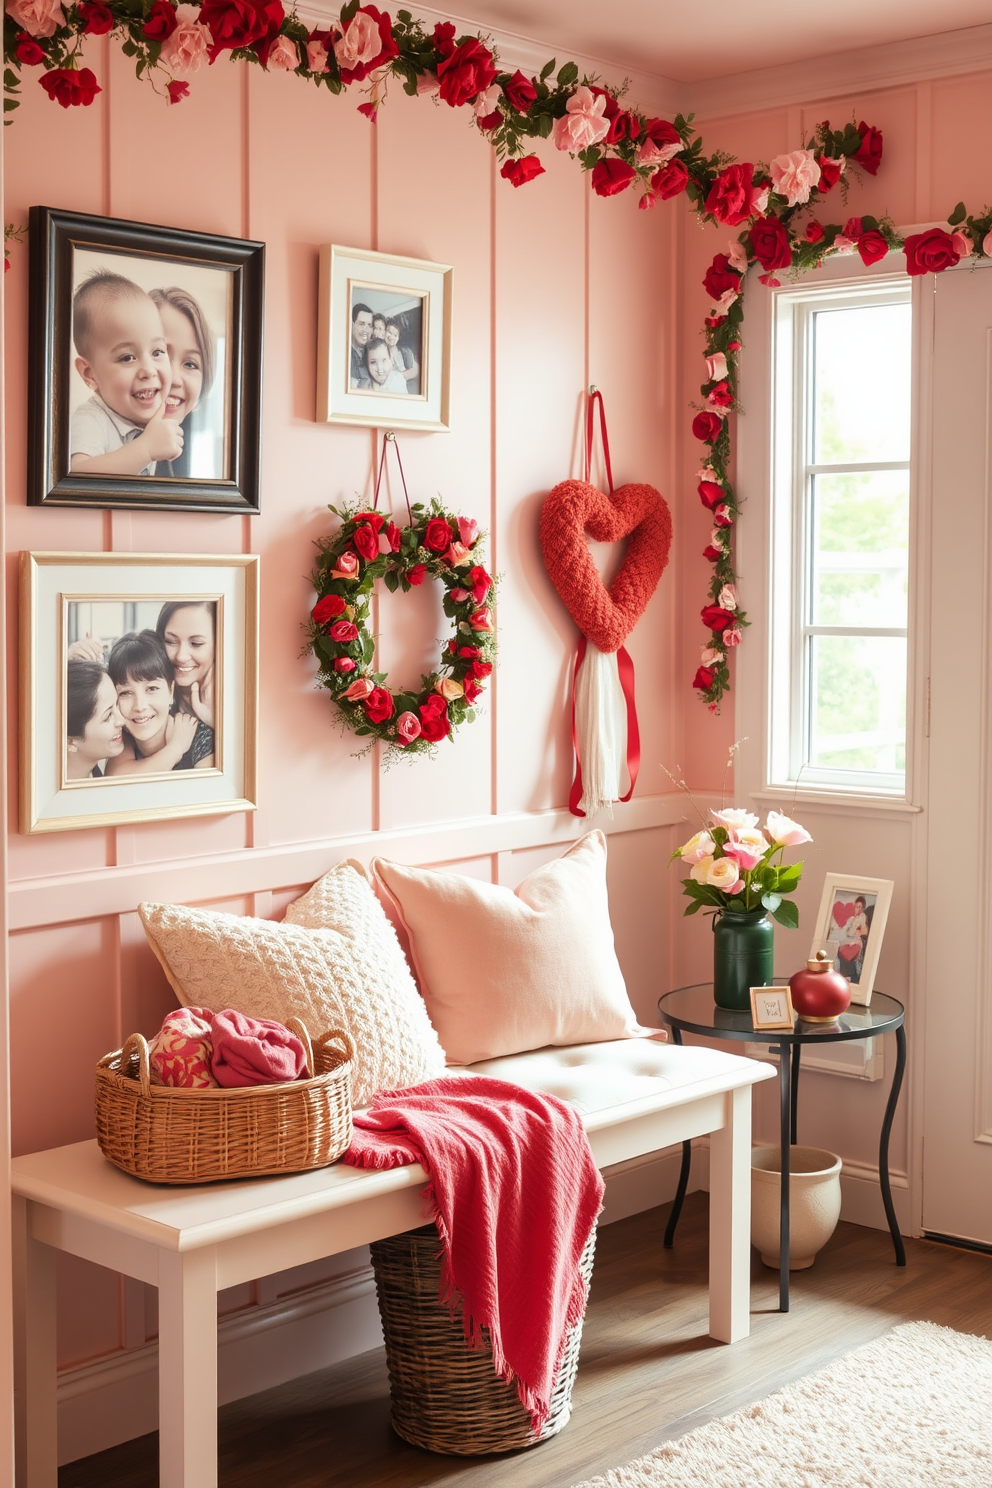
(850, 927)
(771, 1007)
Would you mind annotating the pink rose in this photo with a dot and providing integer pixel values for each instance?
(710, 657)
(987, 245)
(794, 175)
(583, 124)
(459, 595)
(649, 153)
(962, 242)
(785, 832)
(408, 728)
(844, 245)
(360, 43)
(481, 620)
(344, 664)
(736, 256)
(427, 87)
(487, 102)
(37, 17)
(716, 367)
(725, 301)
(457, 554)
(359, 690)
(732, 636)
(468, 530)
(284, 55)
(317, 56)
(347, 566)
(186, 49)
(449, 688)
(742, 855)
(728, 597)
(721, 515)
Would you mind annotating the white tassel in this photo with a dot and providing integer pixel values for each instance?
(601, 728)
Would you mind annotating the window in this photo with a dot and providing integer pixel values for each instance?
(840, 542)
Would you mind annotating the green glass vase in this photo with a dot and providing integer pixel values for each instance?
(743, 956)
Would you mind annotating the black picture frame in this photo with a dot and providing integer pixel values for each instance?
(55, 238)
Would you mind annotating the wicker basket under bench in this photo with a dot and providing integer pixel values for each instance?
(168, 1134)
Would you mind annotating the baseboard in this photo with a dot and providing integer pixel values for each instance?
(115, 1398)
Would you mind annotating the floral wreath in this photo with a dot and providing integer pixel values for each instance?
(619, 146)
(369, 546)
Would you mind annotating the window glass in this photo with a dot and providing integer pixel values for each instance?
(858, 703)
(859, 531)
(861, 384)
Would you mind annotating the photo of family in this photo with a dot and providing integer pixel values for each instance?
(150, 379)
(850, 928)
(142, 690)
(386, 340)
(144, 366)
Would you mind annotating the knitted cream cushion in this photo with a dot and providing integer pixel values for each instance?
(351, 974)
(504, 971)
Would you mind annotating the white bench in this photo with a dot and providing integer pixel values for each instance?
(636, 1097)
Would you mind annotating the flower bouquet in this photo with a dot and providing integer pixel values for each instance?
(732, 865)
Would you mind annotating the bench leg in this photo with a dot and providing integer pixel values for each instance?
(730, 1221)
(187, 1369)
(35, 1379)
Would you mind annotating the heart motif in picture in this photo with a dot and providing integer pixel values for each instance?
(605, 616)
(843, 912)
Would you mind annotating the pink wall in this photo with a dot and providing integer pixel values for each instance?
(552, 289)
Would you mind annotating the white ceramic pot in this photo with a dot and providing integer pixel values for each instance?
(814, 1203)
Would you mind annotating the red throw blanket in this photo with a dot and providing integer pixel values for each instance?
(514, 1193)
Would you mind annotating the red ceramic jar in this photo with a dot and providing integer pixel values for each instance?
(820, 994)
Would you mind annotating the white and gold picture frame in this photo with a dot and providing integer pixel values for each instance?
(771, 1007)
(850, 927)
(384, 340)
(138, 687)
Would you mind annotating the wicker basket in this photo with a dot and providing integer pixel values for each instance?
(445, 1396)
(168, 1134)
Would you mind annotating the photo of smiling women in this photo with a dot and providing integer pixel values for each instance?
(93, 723)
(188, 633)
(157, 736)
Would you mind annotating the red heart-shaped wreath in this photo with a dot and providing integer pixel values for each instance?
(573, 508)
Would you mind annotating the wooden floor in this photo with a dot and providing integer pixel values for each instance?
(647, 1370)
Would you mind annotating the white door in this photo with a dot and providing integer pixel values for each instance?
(957, 1028)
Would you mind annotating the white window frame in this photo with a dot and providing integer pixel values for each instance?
(770, 549)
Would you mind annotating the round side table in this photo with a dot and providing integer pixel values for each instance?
(692, 1010)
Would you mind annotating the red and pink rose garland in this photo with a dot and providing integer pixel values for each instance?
(369, 546)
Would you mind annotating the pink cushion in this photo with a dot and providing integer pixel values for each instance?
(504, 971)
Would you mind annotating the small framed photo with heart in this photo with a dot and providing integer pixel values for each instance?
(850, 927)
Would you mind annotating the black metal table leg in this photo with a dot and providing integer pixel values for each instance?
(796, 1051)
(883, 1146)
(786, 1094)
(683, 1184)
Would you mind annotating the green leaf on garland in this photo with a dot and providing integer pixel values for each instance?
(548, 69)
(568, 74)
(958, 215)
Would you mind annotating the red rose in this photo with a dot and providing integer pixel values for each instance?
(365, 542)
(704, 679)
(622, 127)
(720, 277)
(379, 705)
(661, 133)
(394, 537)
(814, 232)
(71, 89)
(713, 321)
(479, 582)
(712, 553)
(242, 23)
(28, 51)
(722, 516)
(370, 110)
(469, 652)
(177, 91)
(343, 632)
(869, 153)
(415, 575)
(489, 122)
(519, 172)
(161, 21)
(444, 38)
(328, 608)
(710, 494)
(466, 72)
(520, 91)
(98, 17)
(388, 48)
(473, 689)
(872, 246)
(610, 177)
(670, 179)
(720, 396)
(375, 519)
(731, 197)
(479, 669)
(344, 664)
(434, 718)
(770, 240)
(930, 252)
(829, 173)
(437, 537)
(707, 426)
(853, 228)
(715, 618)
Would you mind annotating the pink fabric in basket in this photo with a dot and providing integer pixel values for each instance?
(254, 1051)
(180, 1052)
(514, 1193)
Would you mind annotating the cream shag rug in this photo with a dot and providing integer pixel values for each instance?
(911, 1410)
